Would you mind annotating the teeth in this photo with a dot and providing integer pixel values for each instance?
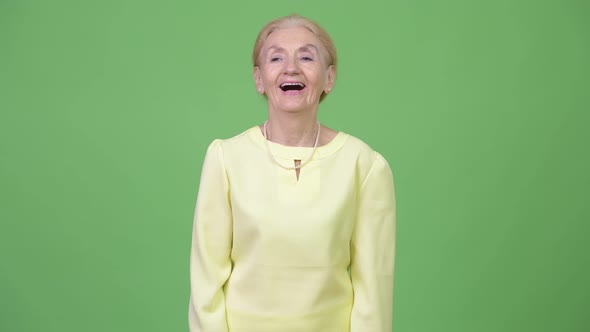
(291, 84)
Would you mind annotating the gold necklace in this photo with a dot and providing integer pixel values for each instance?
(317, 139)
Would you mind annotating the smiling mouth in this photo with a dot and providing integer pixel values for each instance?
(292, 86)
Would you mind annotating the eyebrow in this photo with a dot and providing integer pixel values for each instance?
(305, 47)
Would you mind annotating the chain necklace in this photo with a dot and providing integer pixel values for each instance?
(317, 139)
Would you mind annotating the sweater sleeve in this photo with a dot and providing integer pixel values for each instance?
(373, 251)
(210, 263)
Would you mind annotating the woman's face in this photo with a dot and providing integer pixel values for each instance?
(292, 70)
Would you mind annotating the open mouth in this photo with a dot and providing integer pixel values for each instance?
(292, 86)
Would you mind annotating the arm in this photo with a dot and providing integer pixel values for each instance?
(210, 264)
(373, 251)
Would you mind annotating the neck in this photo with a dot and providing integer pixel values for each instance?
(292, 129)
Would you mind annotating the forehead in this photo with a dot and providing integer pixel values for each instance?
(292, 37)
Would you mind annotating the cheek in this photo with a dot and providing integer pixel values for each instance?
(320, 80)
(268, 76)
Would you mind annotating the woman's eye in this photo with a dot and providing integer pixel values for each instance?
(307, 58)
(274, 59)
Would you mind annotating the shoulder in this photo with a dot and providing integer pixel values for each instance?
(221, 151)
(369, 162)
(232, 142)
(365, 153)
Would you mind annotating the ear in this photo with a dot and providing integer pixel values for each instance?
(331, 79)
(258, 80)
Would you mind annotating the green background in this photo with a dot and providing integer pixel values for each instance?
(481, 108)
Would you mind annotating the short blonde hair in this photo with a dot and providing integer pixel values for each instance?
(295, 20)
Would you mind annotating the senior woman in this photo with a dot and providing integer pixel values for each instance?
(294, 225)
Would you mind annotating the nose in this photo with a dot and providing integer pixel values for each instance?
(291, 66)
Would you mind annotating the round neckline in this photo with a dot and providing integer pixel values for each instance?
(297, 152)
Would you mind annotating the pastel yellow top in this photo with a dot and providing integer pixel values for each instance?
(273, 253)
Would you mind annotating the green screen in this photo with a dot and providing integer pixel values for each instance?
(480, 107)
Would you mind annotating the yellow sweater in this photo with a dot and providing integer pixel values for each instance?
(271, 253)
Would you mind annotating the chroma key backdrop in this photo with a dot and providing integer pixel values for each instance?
(480, 107)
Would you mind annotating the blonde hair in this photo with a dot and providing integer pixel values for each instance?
(295, 20)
